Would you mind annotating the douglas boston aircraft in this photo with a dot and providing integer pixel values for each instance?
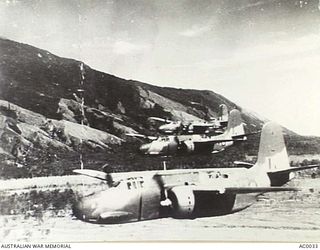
(214, 125)
(188, 144)
(189, 193)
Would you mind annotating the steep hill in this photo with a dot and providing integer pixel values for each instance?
(46, 98)
(52, 86)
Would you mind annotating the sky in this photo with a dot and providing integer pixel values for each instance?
(263, 55)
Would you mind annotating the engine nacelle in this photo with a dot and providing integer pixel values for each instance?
(221, 146)
(183, 201)
(187, 146)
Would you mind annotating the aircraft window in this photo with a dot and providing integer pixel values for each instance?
(225, 176)
(134, 184)
(129, 185)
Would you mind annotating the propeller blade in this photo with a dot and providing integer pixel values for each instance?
(159, 180)
(165, 201)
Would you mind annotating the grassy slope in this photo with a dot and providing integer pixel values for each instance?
(36, 79)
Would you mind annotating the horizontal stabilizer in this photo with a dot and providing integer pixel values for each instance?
(294, 169)
(242, 190)
(92, 173)
(244, 164)
(244, 135)
(213, 141)
(247, 190)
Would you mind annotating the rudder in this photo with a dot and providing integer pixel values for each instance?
(223, 113)
(235, 125)
(272, 154)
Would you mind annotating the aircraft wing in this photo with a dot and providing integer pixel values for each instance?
(152, 138)
(213, 141)
(243, 164)
(160, 119)
(92, 173)
(242, 190)
(198, 187)
(203, 125)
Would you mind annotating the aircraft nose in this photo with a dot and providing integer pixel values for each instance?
(84, 210)
(162, 127)
(144, 148)
(77, 210)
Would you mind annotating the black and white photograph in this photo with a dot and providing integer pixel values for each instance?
(159, 121)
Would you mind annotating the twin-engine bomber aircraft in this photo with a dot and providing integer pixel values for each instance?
(145, 195)
(188, 144)
(195, 127)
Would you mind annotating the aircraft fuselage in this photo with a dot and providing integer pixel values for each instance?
(140, 197)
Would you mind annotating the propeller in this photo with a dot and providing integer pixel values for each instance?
(109, 179)
(164, 200)
(104, 176)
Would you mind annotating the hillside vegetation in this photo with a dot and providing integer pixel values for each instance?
(55, 112)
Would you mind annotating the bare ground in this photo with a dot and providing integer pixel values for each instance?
(278, 217)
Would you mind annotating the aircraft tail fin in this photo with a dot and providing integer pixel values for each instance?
(235, 125)
(223, 113)
(272, 154)
(273, 158)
